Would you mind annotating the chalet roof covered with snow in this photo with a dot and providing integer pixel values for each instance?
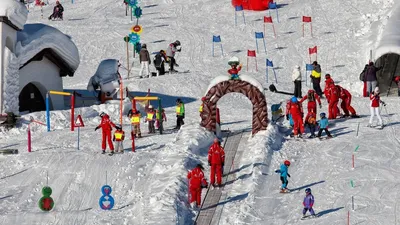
(14, 12)
(390, 40)
(36, 38)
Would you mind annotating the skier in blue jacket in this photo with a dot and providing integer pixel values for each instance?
(323, 125)
(308, 203)
(284, 174)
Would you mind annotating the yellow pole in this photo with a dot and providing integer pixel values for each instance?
(145, 98)
(60, 93)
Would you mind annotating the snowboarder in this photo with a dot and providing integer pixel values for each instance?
(296, 78)
(316, 78)
(159, 61)
(196, 183)
(311, 122)
(134, 116)
(216, 159)
(323, 125)
(308, 203)
(234, 70)
(151, 119)
(370, 77)
(58, 11)
(333, 100)
(296, 111)
(284, 171)
(345, 96)
(180, 113)
(159, 118)
(144, 58)
(375, 101)
(119, 136)
(171, 50)
(106, 127)
(312, 97)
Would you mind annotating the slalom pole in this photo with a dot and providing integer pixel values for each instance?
(29, 138)
(48, 112)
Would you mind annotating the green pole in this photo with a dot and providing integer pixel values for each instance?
(356, 148)
(352, 183)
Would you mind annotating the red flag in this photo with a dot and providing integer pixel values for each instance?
(306, 19)
(312, 50)
(267, 19)
(251, 53)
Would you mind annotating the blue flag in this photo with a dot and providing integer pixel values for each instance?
(309, 67)
(269, 63)
(239, 8)
(216, 38)
(259, 34)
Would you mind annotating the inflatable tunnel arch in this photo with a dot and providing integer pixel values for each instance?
(387, 54)
(256, 5)
(247, 86)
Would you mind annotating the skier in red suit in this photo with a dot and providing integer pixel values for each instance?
(216, 159)
(345, 96)
(296, 110)
(312, 98)
(333, 100)
(106, 127)
(328, 82)
(196, 183)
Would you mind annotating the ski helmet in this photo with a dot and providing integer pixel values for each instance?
(118, 127)
(102, 114)
(311, 91)
(327, 76)
(286, 162)
(308, 190)
(293, 99)
(234, 61)
(144, 46)
(200, 166)
(177, 43)
(322, 114)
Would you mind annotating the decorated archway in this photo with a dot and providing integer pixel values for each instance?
(252, 92)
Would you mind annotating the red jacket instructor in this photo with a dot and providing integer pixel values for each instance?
(216, 159)
(106, 127)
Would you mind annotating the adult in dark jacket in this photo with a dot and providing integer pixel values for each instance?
(57, 11)
(370, 77)
(144, 58)
(316, 78)
(159, 61)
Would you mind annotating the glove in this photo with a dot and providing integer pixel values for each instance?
(287, 117)
(240, 65)
(209, 163)
(311, 205)
(223, 164)
(320, 106)
(277, 171)
(114, 139)
(288, 175)
(302, 115)
(95, 129)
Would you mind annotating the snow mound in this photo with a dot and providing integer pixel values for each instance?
(390, 41)
(106, 72)
(11, 102)
(36, 37)
(15, 11)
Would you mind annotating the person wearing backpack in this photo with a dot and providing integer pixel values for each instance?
(159, 61)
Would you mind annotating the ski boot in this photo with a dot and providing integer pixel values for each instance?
(111, 153)
(103, 152)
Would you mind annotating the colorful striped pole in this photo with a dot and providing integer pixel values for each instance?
(29, 138)
(48, 112)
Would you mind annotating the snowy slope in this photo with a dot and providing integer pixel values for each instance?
(150, 185)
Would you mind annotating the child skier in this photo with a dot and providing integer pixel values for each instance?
(308, 203)
(106, 126)
(284, 174)
(159, 119)
(119, 136)
(323, 126)
(375, 100)
(196, 183)
(311, 122)
(234, 70)
(151, 119)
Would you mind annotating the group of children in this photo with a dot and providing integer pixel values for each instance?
(308, 201)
